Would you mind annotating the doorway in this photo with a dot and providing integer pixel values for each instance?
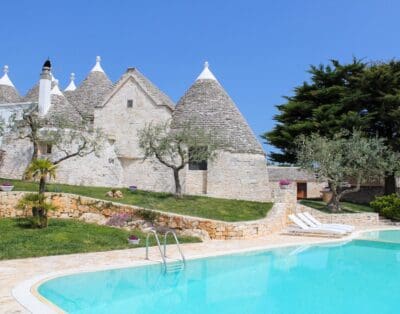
(301, 190)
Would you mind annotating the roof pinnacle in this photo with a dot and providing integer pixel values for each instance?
(56, 90)
(206, 74)
(71, 87)
(5, 80)
(97, 66)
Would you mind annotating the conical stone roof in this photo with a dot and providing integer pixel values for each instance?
(8, 92)
(61, 111)
(91, 92)
(33, 94)
(207, 105)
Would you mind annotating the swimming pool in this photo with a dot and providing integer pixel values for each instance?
(383, 235)
(356, 277)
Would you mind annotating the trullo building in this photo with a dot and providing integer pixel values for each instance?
(120, 110)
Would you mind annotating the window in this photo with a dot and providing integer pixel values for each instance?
(129, 103)
(45, 149)
(194, 162)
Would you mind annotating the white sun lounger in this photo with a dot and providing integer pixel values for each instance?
(311, 224)
(303, 229)
(317, 223)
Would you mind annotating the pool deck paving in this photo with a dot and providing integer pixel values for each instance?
(18, 276)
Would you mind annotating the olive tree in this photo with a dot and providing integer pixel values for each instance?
(174, 148)
(346, 157)
(70, 140)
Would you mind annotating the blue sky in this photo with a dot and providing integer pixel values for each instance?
(259, 50)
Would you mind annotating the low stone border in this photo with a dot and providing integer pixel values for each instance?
(355, 219)
(74, 206)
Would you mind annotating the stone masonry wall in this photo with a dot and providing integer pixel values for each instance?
(356, 219)
(238, 176)
(73, 206)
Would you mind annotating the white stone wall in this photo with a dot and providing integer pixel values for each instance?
(122, 123)
(195, 181)
(314, 189)
(237, 176)
(101, 169)
(147, 174)
(18, 153)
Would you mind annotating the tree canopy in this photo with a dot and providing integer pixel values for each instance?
(176, 147)
(326, 105)
(357, 95)
(345, 158)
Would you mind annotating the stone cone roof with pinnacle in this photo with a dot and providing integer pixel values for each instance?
(61, 111)
(91, 92)
(207, 105)
(8, 92)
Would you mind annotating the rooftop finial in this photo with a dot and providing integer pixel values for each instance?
(97, 66)
(206, 74)
(71, 87)
(56, 90)
(5, 80)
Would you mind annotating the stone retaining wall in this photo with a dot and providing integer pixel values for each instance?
(356, 219)
(73, 206)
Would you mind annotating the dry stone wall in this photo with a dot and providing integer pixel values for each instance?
(73, 206)
(356, 219)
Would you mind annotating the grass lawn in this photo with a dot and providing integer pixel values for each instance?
(200, 206)
(346, 206)
(64, 236)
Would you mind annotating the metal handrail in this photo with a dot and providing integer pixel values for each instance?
(177, 244)
(158, 244)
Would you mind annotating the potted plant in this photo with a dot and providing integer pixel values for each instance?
(284, 184)
(6, 186)
(133, 239)
(132, 188)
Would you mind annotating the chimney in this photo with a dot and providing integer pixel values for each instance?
(45, 88)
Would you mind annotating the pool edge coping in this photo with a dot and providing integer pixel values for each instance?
(27, 295)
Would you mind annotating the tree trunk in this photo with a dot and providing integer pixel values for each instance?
(390, 184)
(178, 188)
(333, 204)
(35, 153)
(42, 185)
(42, 213)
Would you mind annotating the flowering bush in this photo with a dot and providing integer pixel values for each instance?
(7, 184)
(119, 220)
(133, 237)
(284, 182)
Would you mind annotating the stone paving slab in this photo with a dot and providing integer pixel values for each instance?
(14, 272)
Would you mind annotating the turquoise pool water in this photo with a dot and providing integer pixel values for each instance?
(383, 235)
(357, 277)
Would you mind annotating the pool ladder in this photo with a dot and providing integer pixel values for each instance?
(168, 267)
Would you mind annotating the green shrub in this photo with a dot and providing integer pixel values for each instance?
(388, 206)
(147, 215)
